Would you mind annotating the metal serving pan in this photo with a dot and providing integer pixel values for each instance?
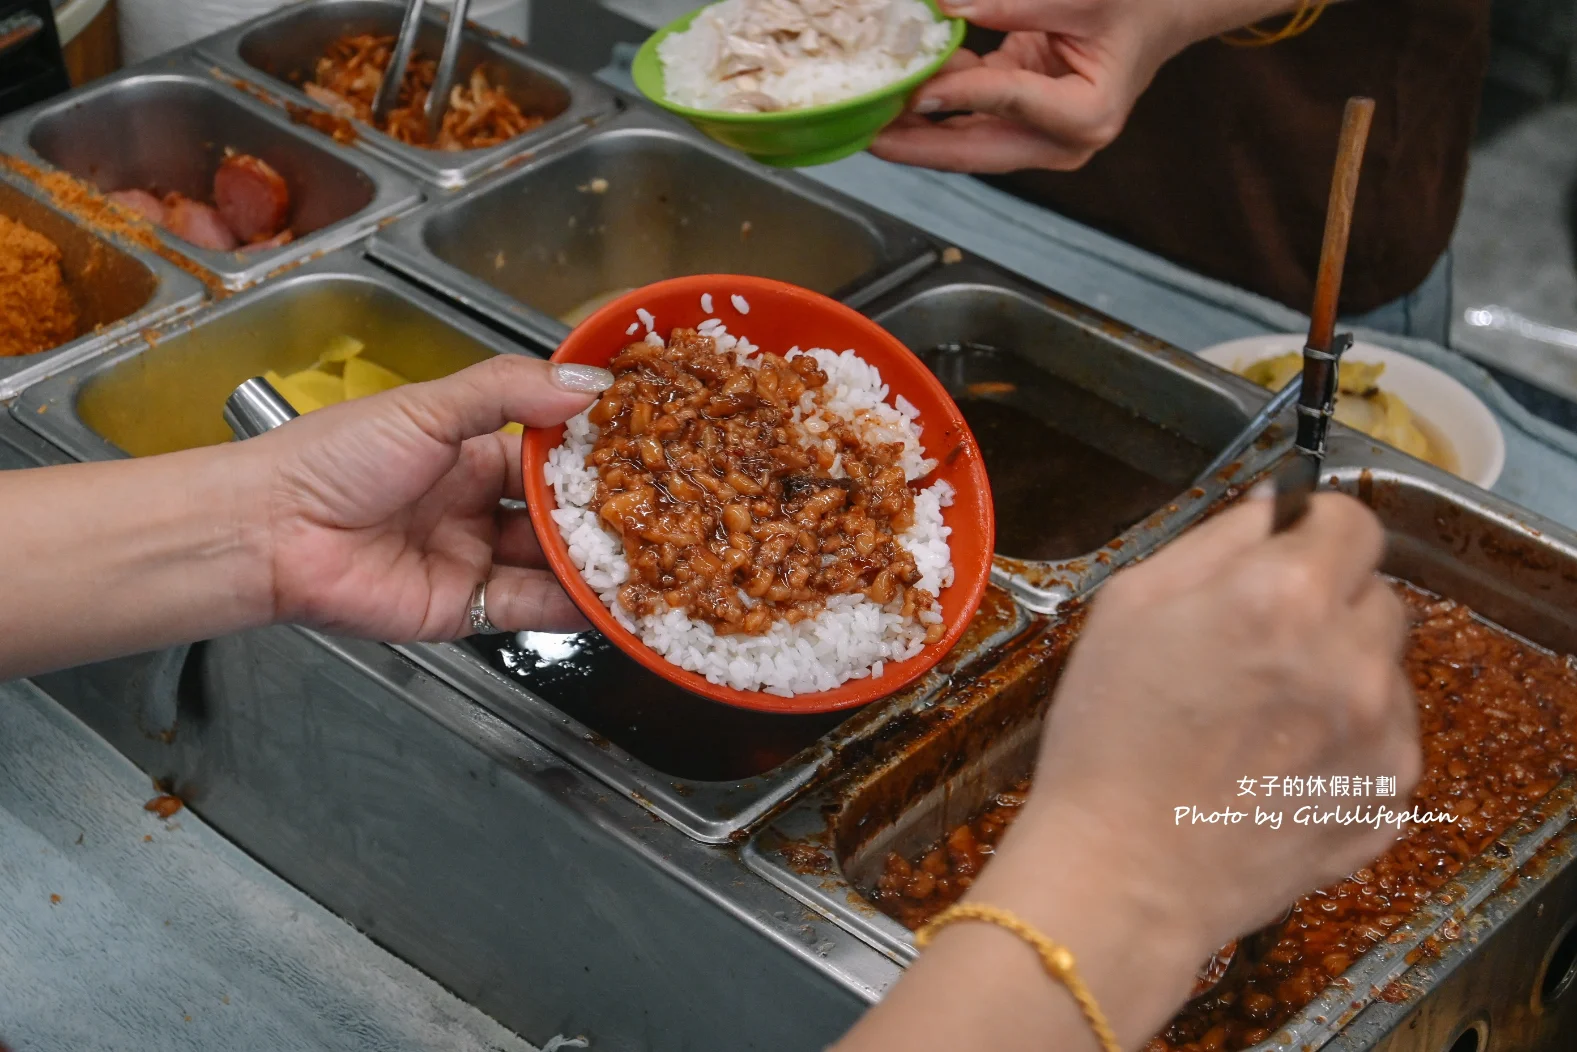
(164, 389)
(1092, 432)
(166, 126)
(1508, 980)
(830, 846)
(117, 287)
(1445, 535)
(641, 199)
(713, 772)
(278, 53)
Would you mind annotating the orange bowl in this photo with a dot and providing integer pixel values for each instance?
(782, 316)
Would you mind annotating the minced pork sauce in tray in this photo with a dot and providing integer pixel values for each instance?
(751, 515)
(1499, 724)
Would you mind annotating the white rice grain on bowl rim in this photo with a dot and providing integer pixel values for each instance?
(853, 637)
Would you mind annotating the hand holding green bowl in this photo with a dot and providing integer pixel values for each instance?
(798, 137)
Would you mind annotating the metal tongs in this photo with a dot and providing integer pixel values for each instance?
(1314, 390)
(1296, 478)
(404, 44)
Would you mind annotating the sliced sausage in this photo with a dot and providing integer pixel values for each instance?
(141, 202)
(195, 222)
(251, 197)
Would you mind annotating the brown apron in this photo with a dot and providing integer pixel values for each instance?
(1225, 164)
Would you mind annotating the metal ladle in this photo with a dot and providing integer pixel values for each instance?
(1296, 477)
(1251, 432)
(255, 407)
(1314, 389)
(400, 60)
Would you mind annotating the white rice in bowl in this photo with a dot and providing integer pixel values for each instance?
(757, 56)
(853, 636)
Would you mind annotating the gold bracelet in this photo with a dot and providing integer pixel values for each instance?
(1306, 15)
(1057, 959)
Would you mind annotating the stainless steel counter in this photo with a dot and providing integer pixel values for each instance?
(452, 839)
(553, 859)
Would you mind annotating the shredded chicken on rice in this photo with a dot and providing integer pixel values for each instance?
(759, 38)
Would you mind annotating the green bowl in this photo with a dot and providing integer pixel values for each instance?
(793, 138)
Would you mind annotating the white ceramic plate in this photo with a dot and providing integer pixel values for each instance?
(1447, 409)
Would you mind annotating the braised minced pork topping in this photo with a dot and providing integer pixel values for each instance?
(732, 508)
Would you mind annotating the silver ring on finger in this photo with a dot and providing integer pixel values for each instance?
(478, 612)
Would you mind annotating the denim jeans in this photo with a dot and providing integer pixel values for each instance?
(1425, 312)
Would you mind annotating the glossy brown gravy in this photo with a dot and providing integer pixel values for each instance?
(1056, 497)
(1061, 459)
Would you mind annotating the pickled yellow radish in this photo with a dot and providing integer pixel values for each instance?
(308, 389)
(341, 348)
(364, 378)
(339, 375)
(1361, 403)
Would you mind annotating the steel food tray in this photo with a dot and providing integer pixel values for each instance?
(823, 849)
(166, 125)
(163, 389)
(118, 287)
(717, 809)
(277, 52)
(1110, 426)
(640, 199)
(1513, 568)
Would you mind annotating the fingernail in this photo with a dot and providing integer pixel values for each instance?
(956, 10)
(1264, 489)
(928, 105)
(582, 379)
